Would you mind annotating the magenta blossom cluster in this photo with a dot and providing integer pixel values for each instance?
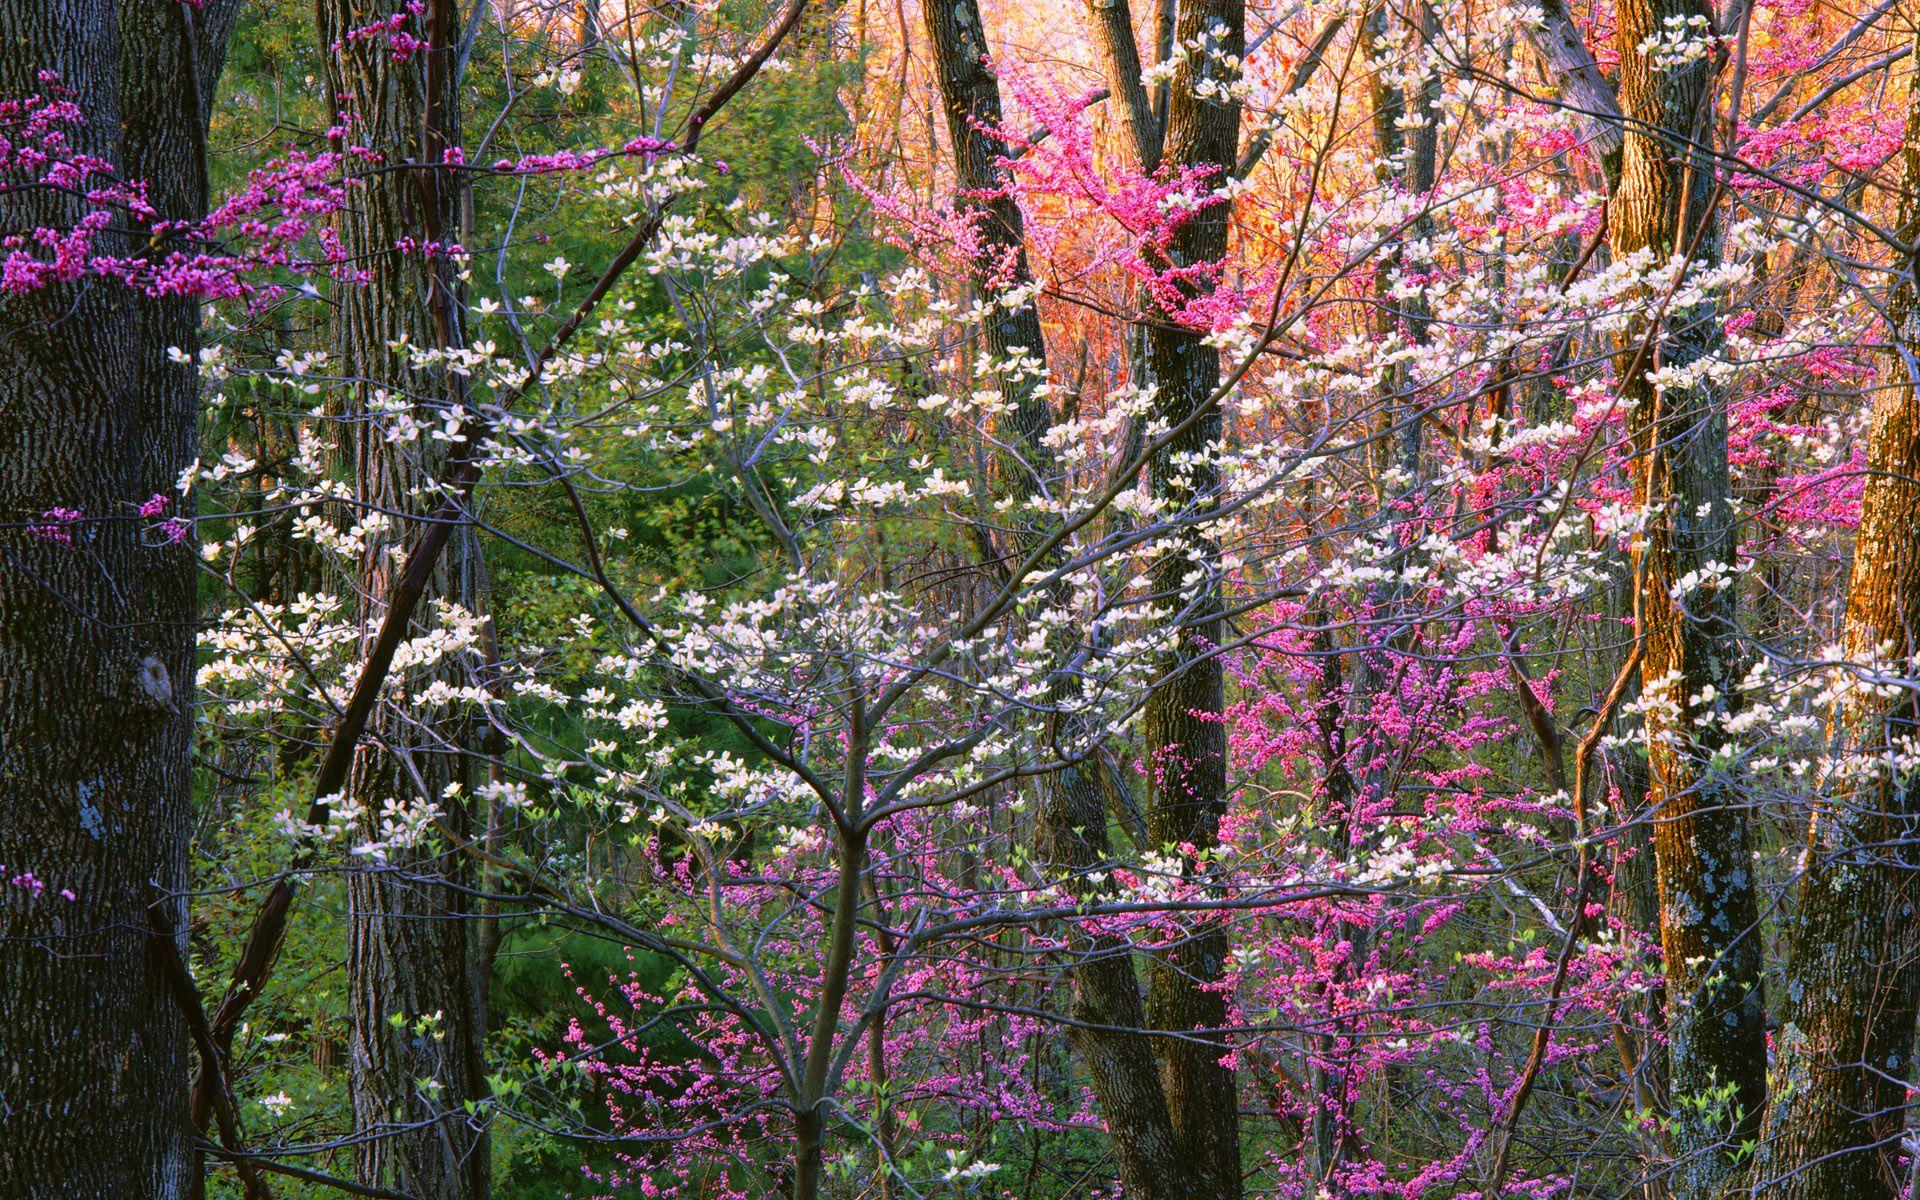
(253, 246)
(56, 525)
(401, 45)
(34, 886)
(575, 160)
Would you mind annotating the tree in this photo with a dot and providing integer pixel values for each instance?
(1663, 212)
(98, 412)
(1184, 741)
(1076, 648)
(414, 970)
(1110, 1015)
(1845, 1050)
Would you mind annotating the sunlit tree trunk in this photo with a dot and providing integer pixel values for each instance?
(1662, 208)
(1846, 1045)
(96, 633)
(416, 1019)
(1111, 24)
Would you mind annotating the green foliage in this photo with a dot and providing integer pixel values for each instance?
(682, 529)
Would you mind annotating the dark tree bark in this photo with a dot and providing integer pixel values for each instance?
(1106, 1006)
(1846, 1047)
(454, 486)
(1111, 22)
(1110, 1018)
(970, 98)
(96, 634)
(1185, 739)
(1704, 864)
(415, 1015)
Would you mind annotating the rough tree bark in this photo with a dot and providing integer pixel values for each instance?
(96, 634)
(415, 1014)
(1185, 741)
(455, 485)
(1111, 23)
(1846, 1046)
(1662, 208)
(1583, 89)
(1106, 1005)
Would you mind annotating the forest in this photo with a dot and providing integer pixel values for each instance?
(959, 599)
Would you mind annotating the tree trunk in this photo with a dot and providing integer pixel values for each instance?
(96, 632)
(416, 1021)
(970, 96)
(1111, 23)
(1110, 1019)
(1106, 1006)
(1185, 738)
(1585, 92)
(1846, 1048)
(1703, 859)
